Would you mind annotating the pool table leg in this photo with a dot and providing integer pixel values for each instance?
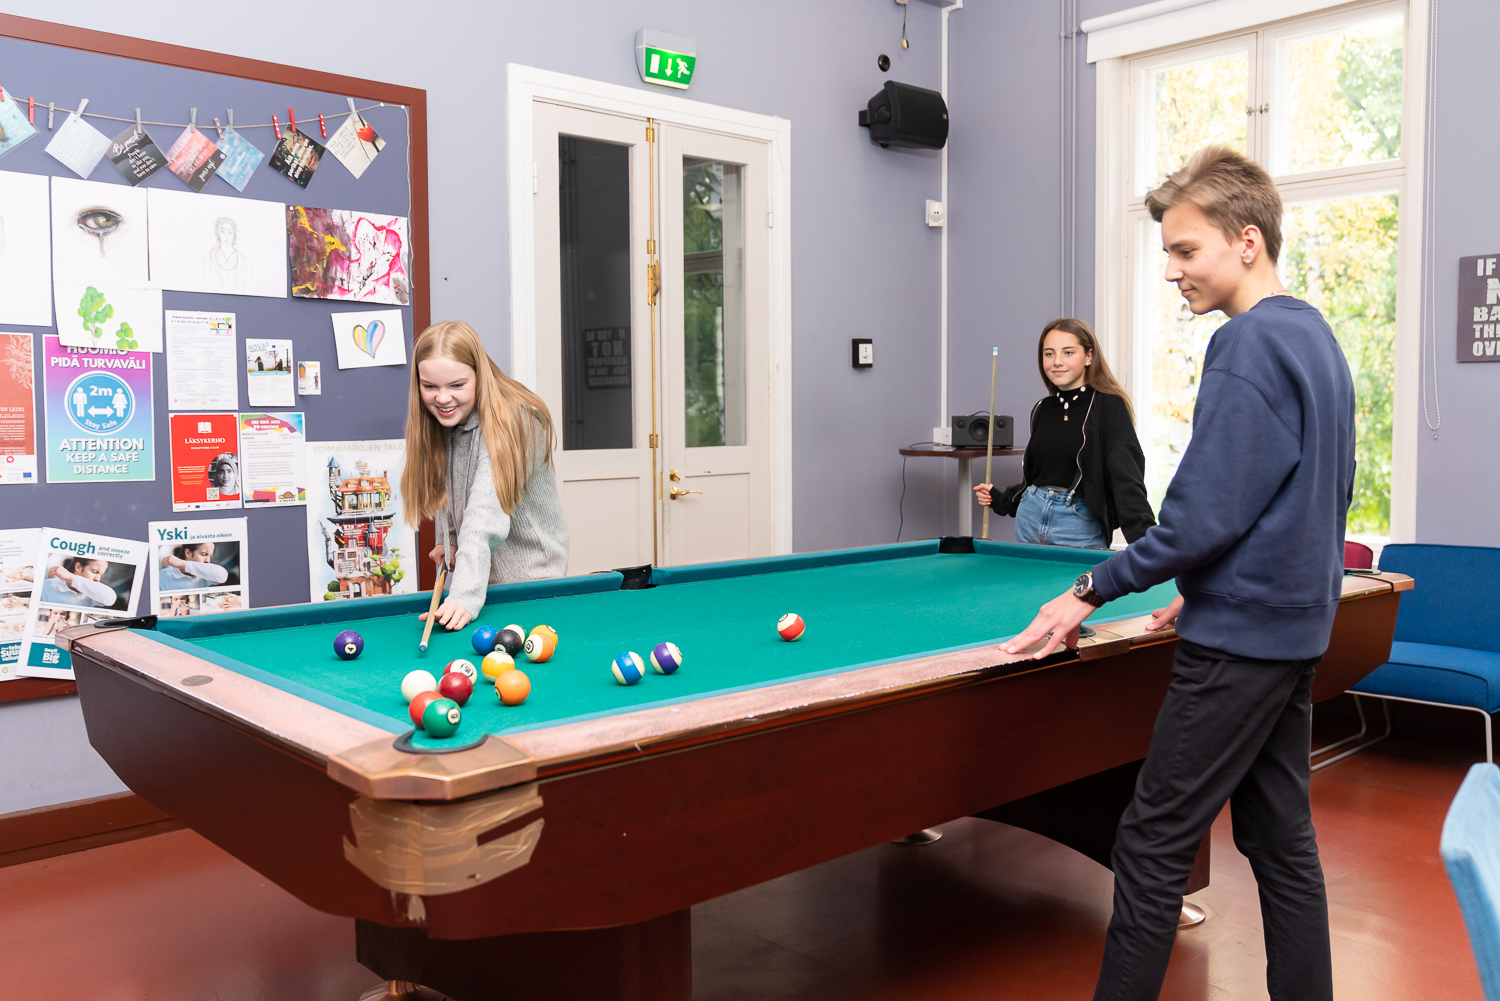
(650, 961)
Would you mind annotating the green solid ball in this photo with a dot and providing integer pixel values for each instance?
(441, 718)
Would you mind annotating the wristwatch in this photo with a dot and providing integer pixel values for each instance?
(1083, 590)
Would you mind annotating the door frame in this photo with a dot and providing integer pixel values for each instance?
(525, 85)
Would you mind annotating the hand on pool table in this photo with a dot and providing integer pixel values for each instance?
(1164, 618)
(1058, 620)
(450, 615)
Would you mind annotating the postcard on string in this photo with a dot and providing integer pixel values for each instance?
(273, 464)
(14, 128)
(355, 144)
(78, 145)
(241, 157)
(199, 567)
(205, 461)
(365, 340)
(296, 156)
(99, 418)
(17, 410)
(99, 234)
(135, 155)
(359, 543)
(354, 256)
(109, 316)
(194, 158)
(80, 578)
(201, 369)
(309, 378)
(17, 574)
(215, 243)
(25, 250)
(269, 373)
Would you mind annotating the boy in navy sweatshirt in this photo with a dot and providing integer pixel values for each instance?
(1252, 528)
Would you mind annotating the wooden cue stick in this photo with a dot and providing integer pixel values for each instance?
(437, 593)
(989, 441)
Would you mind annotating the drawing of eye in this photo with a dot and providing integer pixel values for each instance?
(99, 222)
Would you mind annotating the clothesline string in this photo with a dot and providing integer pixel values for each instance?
(237, 126)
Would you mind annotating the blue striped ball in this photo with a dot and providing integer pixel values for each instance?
(628, 668)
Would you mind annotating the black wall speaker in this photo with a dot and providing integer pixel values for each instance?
(973, 431)
(903, 115)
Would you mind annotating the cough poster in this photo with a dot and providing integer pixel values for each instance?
(99, 415)
(77, 578)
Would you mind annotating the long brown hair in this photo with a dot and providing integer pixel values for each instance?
(1096, 376)
(506, 409)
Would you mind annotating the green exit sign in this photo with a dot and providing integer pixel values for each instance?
(665, 60)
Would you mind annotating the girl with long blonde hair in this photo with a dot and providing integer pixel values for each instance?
(479, 462)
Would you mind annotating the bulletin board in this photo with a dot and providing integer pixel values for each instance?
(118, 75)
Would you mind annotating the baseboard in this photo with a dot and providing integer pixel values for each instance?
(48, 831)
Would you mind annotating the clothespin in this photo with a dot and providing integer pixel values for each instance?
(51, 110)
(2, 93)
(275, 125)
(31, 111)
(291, 117)
(139, 128)
(83, 104)
(322, 125)
(193, 120)
(220, 128)
(231, 120)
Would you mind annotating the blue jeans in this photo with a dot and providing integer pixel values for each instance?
(1046, 517)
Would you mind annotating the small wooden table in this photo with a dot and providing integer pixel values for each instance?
(965, 457)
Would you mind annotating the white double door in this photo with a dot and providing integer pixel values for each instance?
(652, 312)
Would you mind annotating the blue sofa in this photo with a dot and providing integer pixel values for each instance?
(1471, 852)
(1447, 646)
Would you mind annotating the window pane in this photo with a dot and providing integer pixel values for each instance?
(1191, 106)
(594, 239)
(1176, 341)
(1342, 98)
(1340, 255)
(713, 268)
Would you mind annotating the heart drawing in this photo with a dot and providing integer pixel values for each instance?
(368, 339)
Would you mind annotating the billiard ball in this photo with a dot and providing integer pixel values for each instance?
(348, 644)
(417, 682)
(511, 639)
(441, 717)
(461, 666)
(540, 646)
(512, 687)
(483, 639)
(791, 627)
(457, 687)
(495, 663)
(628, 668)
(546, 629)
(666, 658)
(419, 706)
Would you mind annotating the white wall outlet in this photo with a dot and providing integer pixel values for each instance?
(943, 435)
(864, 352)
(936, 213)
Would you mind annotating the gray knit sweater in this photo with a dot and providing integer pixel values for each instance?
(529, 544)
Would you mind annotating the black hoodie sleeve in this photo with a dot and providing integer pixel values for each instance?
(1125, 472)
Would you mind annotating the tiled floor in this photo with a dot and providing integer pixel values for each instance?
(989, 912)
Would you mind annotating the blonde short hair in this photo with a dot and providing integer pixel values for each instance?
(1232, 190)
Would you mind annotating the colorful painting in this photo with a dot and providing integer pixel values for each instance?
(354, 256)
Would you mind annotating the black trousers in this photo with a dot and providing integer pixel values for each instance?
(1238, 730)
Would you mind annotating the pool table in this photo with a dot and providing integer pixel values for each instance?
(553, 849)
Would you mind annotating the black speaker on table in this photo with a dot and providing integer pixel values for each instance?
(973, 431)
(903, 115)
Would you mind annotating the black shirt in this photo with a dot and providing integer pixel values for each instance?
(1057, 438)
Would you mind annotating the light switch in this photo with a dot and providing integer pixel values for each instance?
(935, 214)
(864, 352)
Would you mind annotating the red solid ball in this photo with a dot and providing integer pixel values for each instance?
(456, 686)
(419, 704)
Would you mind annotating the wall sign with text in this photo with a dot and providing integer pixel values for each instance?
(1479, 308)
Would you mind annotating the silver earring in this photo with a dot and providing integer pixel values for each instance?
(1247, 260)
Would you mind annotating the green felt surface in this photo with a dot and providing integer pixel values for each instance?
(860, 614)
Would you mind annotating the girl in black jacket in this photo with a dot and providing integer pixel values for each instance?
(1084, 471)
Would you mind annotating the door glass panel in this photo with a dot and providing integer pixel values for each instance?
(1340, 255)
(1342, 103)
(594, 245)
(1190, 106)
(713, 308)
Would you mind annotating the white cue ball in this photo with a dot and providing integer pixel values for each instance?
(416, 683)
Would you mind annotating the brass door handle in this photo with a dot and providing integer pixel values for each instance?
(682, 493)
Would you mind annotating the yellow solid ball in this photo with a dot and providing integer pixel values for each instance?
(495, 663)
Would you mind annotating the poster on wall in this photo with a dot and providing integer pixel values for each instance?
(272, 460)
(359, 543)
(200, 361)
(80, 577)
(17, 409)
(1479, 308)
(14, 128)
(355, 256)
(205, 461)
(356, 143)
(199, 567)
(364, 340)
(77, 145)
(17, 558)
(212, 243)
(269, 373)
(109, 316)
(25, 251)
(99, 234)
(100, 420)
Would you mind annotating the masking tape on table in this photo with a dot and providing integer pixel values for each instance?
(430, 850)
